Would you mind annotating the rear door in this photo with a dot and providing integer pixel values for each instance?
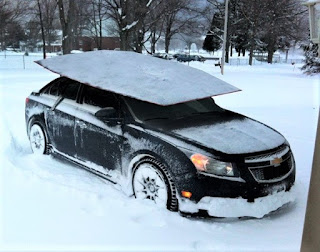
(98, 142)
(61, 118)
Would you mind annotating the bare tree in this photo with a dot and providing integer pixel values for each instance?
(191, 32)
(177, 15)
(253, 12)
(154, 23)
(132, 18)
(96, 15)
(11, 14)
(42, 29)
(282, 22)
(68, 21)
(117, 11)
(32, 30)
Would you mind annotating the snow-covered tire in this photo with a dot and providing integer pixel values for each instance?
(38, 139)
(152, 181)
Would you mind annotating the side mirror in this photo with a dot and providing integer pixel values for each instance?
(106, 113)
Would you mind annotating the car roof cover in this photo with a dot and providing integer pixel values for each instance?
(138, 76)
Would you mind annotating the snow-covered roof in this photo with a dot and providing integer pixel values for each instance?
(139, 76)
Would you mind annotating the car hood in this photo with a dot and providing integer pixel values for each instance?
(226, 132)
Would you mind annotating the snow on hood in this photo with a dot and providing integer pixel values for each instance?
(237, 136)
(139, 76)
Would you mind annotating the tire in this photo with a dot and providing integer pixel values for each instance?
(152, 181)
(38, 139)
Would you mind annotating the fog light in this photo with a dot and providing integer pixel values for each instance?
(186, 194)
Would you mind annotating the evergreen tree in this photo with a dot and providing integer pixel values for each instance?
(213, 39)
(312, 60)
(241, 43)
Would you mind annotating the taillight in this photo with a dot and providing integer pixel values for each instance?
(27, 100)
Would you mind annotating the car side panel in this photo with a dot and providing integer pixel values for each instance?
(38, 107)
(97, 141)
(60, 126)
(138, 141)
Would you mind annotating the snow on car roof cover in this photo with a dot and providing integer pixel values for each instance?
(138, 76)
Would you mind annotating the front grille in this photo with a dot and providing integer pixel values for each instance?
(272, 166)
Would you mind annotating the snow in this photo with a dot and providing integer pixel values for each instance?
(223, 207)
(128, 27)
(50, 205)
(149, 3)
(139, 76)
(245, 136)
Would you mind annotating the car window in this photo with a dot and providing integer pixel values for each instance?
(71, 90)
(57, 87)
(99, 98)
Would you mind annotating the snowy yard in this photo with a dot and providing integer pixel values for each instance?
(48, 204)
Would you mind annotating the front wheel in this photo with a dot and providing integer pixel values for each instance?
(151, 181)
(38, 139)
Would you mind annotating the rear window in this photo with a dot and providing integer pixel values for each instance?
(70, 90)
(62, 86)
(99, 98)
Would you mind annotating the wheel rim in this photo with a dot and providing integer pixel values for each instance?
(37, 139)
(149, 184)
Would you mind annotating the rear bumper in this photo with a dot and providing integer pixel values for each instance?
(238, 207)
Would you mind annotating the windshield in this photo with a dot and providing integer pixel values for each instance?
(145, 111)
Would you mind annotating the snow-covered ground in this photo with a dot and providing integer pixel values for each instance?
(48, 204)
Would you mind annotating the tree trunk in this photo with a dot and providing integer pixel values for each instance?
(139, 37)
(167, 42)
(42, 31)
(270, 49)
(100, 34)
(123, 41)
(231, 50)
(227, 51)
(251, 55)
(153, 42)
(67, 25)
(270, 56)
(252, 45)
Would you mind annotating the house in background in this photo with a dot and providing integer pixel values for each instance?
(84, 43)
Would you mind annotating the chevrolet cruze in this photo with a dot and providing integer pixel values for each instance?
(182, 154)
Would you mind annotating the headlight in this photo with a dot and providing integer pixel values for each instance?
(209, 165)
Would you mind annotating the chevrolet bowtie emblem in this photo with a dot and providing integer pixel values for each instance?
(276, 161)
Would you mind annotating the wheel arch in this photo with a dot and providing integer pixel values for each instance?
(39, 118)
(141, 158)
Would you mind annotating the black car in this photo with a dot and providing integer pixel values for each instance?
(185, 58)
(188, 58)
(182, 156)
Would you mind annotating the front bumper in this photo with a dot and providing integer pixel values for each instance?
(238, 207)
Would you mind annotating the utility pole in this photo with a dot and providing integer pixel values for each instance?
(311, 231)
(223, 59)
